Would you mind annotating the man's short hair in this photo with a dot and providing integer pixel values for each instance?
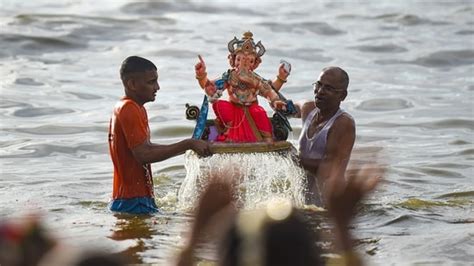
(135, 64)
(342, 72)
(345, 78)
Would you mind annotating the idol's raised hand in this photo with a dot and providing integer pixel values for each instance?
(284, 70)
(200, 68)
(201, 76)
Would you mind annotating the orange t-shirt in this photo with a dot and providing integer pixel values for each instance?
(128, 129)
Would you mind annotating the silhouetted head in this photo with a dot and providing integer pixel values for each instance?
(262, 238)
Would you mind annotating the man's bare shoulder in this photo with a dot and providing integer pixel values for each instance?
(347, 117)
(344, 122)
(306, 108)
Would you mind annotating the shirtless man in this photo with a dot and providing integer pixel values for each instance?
(328, 133)
(130, 147)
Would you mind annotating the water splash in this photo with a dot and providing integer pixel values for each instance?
(260, 178)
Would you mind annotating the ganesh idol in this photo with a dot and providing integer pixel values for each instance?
(240, 118)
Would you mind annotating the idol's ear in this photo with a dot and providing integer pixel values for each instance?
(261, 49)
(231, 45)
(231, 58)
(258, 60)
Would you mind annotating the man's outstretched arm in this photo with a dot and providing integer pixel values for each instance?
(148, 152)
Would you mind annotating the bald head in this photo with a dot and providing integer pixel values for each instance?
(340, 74)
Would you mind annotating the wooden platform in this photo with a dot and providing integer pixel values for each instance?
(254, 147)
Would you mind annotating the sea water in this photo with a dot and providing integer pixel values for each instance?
(411, 68)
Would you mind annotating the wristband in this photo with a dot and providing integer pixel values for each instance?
(280, 79)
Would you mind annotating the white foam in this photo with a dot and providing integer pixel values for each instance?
(259, 178)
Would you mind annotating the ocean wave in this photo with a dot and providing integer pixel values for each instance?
(401, 220)
(440, 59)
(459, 194)
(44, 150)
(28, 81)
(446, 58)
(380, 105)
(420, 204)
(465, 32)
(382, 48)
(320, 28)
(408, 19)
(41, 111)
(5, 104)
(306, 54)
(438, 124)
(31, 44)
(85, 96)
(57, 129)
(153, 8)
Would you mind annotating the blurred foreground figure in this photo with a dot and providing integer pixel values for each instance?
(277, 235)
(23, 243)
(26, 242)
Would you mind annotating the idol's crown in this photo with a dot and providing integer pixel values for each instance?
(246, 44)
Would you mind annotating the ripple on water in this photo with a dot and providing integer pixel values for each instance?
(460, 194)
(306, 54)
(53, 33)
(466, 152)
(401, 220)
(440, 124)
(419, 204)
(158, 119)
(94, 205)
(57, 129)
(28, 81)
(450, 165)
(409, 20)
(8, 143)
(383, 48)
(450, 123)
(465, 32)
(446, 59)
(41, 111)
(429, 171)
(9, 104)
(26, 44)
(159, 7)
(320, 28)
(440, 59)
(380, 105)
(459, 142)
(43, 150)
(85, 96)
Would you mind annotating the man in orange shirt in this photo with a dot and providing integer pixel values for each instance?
(129, 140)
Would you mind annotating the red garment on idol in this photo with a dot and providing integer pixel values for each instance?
(238, 127)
